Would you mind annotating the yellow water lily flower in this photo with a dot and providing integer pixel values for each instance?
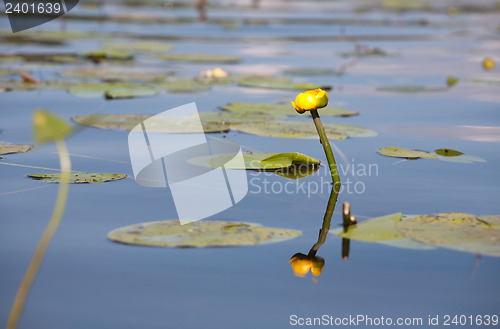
(302, 264)
(310, 100)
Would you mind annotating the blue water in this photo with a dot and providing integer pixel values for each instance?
(87, 281)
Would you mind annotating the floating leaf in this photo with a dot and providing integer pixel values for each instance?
(380, 230)
(78, 178)
(448, 152)
(14, 148)
(139, 46)
(127, 122)
(296, 171)
(108, 54)
(256, 161)
(201, 58)
(411, 89)
(237, 117)
(458, 231)
(129, 92)
(281, 109)
(48, 127)
(373, 230)
(398, 152)
(200, 234)
(301, 129)
(270, 82)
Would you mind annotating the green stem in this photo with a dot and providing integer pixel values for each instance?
(29, 276)
(326, 147)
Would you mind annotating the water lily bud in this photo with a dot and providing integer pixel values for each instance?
(310, 100)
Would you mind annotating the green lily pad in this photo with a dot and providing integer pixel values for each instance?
(127, 122)
(458, 231)
(398, 152)
(296, 171)
(108, 54)
(411, 89)
(282, 109)
(448, 152)
(14, 148)
(139, 46)
(129, 92)
(256, 161)
(373, 230)
(301, 129)
(270, 82)
(200, 234)
(200, 58)
(380, 230)
(78, 178)
(48, 127)
(237, 117)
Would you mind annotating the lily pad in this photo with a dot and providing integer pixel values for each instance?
(139, 46)
(282, 109)
(78, 178)
(270, 82)
(256, 161)
(129, 92)
(458, 231)
(201, 58)
(380, 230)
(411, 89)
(296, 171)
(127, 122)
(448, 152)
(398, 152)
(301, 129)
(456, 156)
(373, 230)
(200, 234)
(237, 117)
(14, 148)
(108, 54)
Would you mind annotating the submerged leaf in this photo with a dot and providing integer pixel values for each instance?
(270, 82)
(127, 122)
(281, 109)
(78, 178)
(458, 231)
(202, 58)
(296, 171)
(301, 129)
(48, 127)
(448, 152)
(14, 148)
(398, 152)
(200, 234)
(256, 161)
